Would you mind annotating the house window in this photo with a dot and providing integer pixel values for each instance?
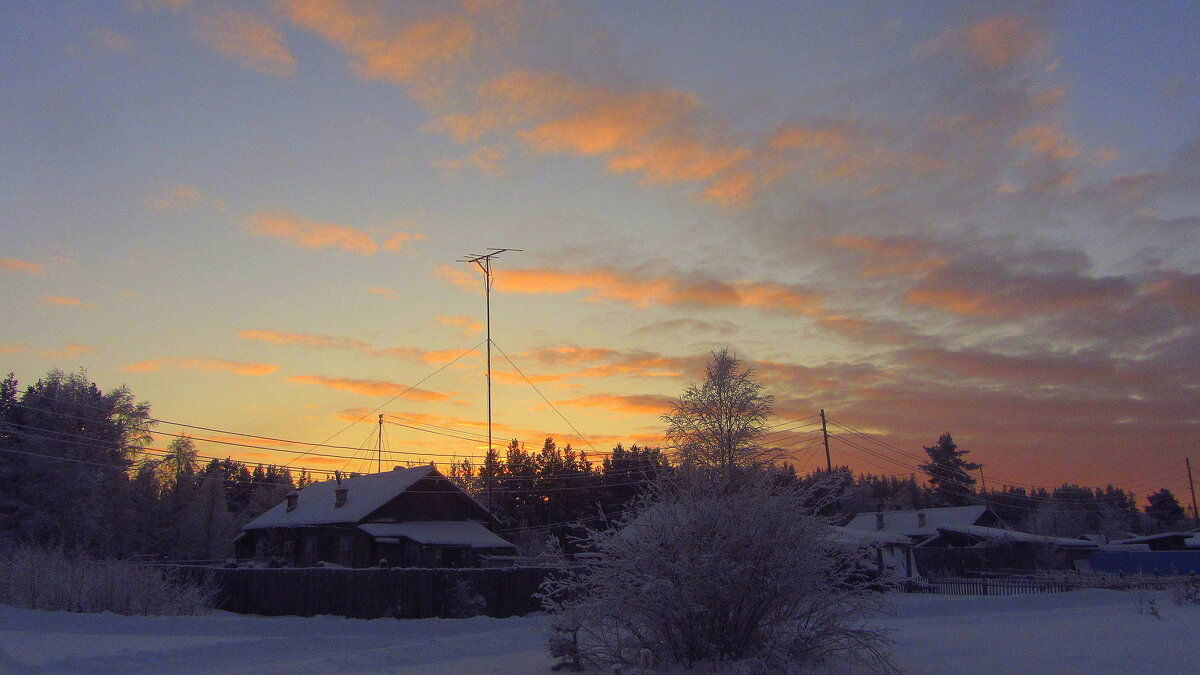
(289, 551)
(346, 550)
(260, 548)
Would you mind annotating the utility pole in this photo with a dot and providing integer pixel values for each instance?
(484, 262)
(825, 433)
(379, 447)
(1195, 513)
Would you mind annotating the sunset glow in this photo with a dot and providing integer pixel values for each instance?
(921, 217)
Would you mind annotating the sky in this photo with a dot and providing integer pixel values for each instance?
(921, 217)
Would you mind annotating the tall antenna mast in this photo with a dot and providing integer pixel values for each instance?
(484, 263)
(379, 447)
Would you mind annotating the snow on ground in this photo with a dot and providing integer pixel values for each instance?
(1084, 632)
(62, 642)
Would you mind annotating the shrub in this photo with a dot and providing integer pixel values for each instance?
(1186, 592)
(53, 580)
(464, 602)
(746, 575)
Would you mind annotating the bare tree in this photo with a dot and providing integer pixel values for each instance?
(716, 425)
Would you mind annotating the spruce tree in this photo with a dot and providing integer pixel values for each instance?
(949, 474)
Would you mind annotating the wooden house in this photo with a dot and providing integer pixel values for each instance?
(411, 517)
(922, 525)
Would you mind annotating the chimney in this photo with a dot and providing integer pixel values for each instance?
(339, 497)
(920, 519)
(879, 520)
(292, 498)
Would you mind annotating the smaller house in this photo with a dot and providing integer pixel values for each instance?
(412, 517)
(888, 553)
(921, 525)
(1164, 541)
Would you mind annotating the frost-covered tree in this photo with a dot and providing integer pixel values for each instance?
(746, 575)
(67, 449)
(716, 425)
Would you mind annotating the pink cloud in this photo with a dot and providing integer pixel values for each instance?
(16, 266)
(310, 235)
(65, 301)
(369, 387)
(249, 40)
(210, 364)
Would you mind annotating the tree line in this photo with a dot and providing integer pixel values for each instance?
(76, 472)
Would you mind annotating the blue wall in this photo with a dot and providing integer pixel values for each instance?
(1147, 562)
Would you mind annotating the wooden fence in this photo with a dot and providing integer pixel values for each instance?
(1049, 584)
(374, 593)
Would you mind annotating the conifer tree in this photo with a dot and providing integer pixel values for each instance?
(949, 474)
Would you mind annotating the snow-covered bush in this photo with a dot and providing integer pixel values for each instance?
(1186, 592)
(37, 578)
(746, 575)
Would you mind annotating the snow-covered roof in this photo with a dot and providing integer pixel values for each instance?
(1186, 536)
(438, 532)
(908, 522)
(854, 537)
(364, 494)
(1013, 535)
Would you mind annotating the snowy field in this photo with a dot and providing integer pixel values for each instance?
(1085, 632)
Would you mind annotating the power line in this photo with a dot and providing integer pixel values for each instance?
(552, 406)
(389, 401)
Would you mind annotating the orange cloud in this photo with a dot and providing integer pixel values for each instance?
(461, 278)
(647, 291)
(660, 134)
(400, 241)
(389, 293)
(988, 290)
(410, 53)
(70, 350)
(7, 349)
(112, 40)
(573, 355)
(183, 197)
(873, 332)
(15, 266)
(369, 387)
(350, 344)
(145, 366)
(237, 367)
(316, 236)
(1046, 140)
(249, 40)
(487, 159)
(303, 339)
(468, 325)
(891, 256)
(310, 235)
(831, 141)
(1180, 290)
(641, 404)
(65, 301)
(992, 43)
(170, 5)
